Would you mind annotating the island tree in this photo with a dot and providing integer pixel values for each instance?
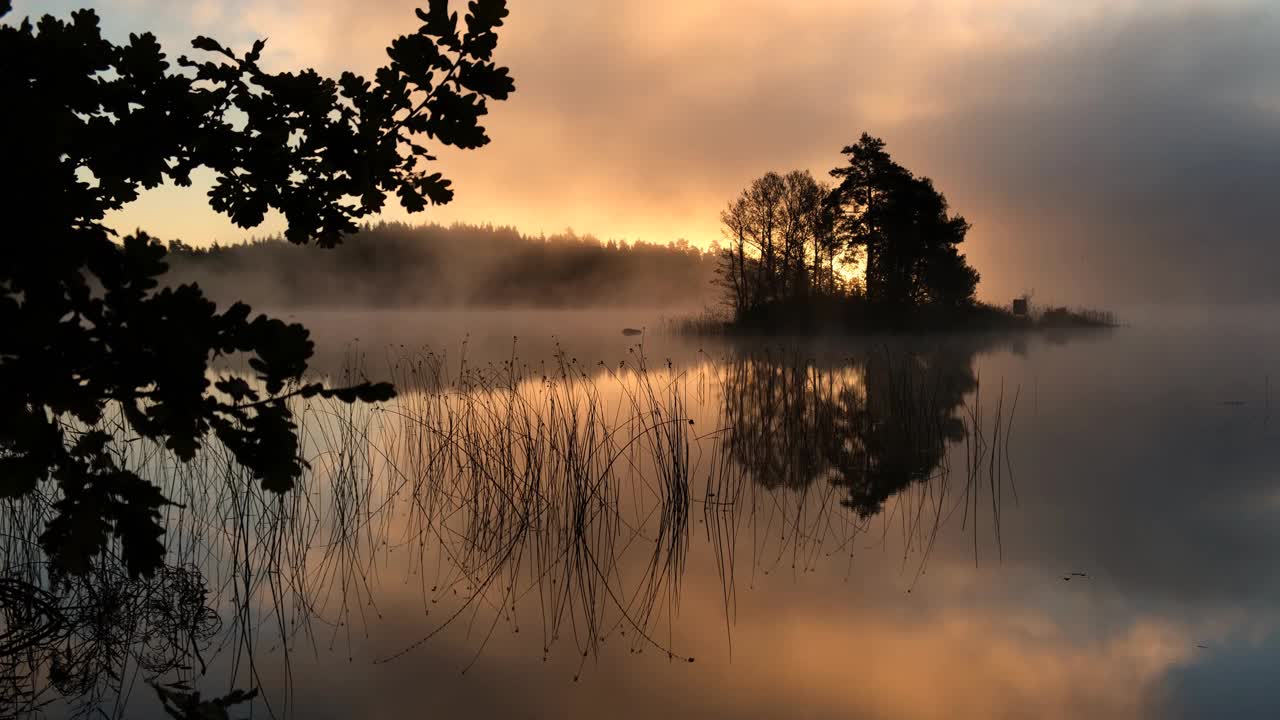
(781, 247)
(900, 228)
(795, 246)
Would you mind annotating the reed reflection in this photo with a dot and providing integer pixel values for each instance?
(558, 496)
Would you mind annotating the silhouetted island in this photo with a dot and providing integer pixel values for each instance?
(878, 251)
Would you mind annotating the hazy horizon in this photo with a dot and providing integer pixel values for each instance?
(1106, 153)
(828, 358)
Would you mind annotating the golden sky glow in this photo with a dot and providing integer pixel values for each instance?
(640, 120)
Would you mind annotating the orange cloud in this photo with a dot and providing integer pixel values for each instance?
(1061, 130)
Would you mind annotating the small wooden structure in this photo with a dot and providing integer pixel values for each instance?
(1020, 306)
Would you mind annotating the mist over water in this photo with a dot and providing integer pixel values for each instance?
(390, 266)
(1118, 566)
(1145, 459)
(857, 429)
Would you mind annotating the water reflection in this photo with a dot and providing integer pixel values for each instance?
(503, 483)
(871, 425)
(83, 640)
(533, 522)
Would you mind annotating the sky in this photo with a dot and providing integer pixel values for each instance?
(1105, 151)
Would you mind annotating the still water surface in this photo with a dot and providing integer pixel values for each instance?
(1073, 526)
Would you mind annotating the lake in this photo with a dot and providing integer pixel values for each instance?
(557, 520)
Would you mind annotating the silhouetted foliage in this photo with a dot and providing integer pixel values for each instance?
(87, 331)
(781, 245)
(901, 227)
(1064, 318)
(84, 637)
(793, 240)
(182, 703)
(395, 265)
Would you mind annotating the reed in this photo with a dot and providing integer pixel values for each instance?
(552, 497)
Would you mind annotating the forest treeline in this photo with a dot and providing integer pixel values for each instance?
(400, 265)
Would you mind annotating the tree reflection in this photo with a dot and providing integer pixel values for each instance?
(871, 425)
(509, 495)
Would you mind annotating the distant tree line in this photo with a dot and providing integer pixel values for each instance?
(399, 265)
(882, 240)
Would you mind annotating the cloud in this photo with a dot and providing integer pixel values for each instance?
(1103, 150)
(1145, 148)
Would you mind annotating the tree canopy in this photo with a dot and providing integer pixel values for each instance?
(790, 236)
(780, 242)
(88, 334)
(901, 226)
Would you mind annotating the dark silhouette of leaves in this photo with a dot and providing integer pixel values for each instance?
(900, 223)
(90, 125)
(182, 703)
(787, 234)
